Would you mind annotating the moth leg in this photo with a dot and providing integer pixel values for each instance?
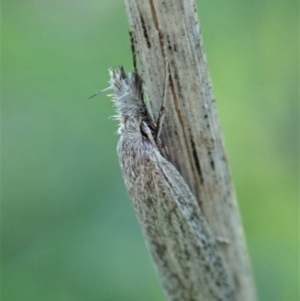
(148, 133)
(160, 121)
(161, 114)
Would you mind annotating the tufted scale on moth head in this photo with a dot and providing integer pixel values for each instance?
(129, 101)
(128, 93)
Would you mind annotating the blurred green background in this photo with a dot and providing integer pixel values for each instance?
(68, 228)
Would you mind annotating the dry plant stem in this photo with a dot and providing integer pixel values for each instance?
(166, 33)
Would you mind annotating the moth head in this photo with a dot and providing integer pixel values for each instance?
(128, 98)
(128, 93)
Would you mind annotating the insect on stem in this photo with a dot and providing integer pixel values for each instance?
(180, 241)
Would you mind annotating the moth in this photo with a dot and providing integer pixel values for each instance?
(181, 244)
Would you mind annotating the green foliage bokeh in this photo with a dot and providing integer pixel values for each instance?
(68, 228)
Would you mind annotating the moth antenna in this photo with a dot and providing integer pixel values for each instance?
(99, 92)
